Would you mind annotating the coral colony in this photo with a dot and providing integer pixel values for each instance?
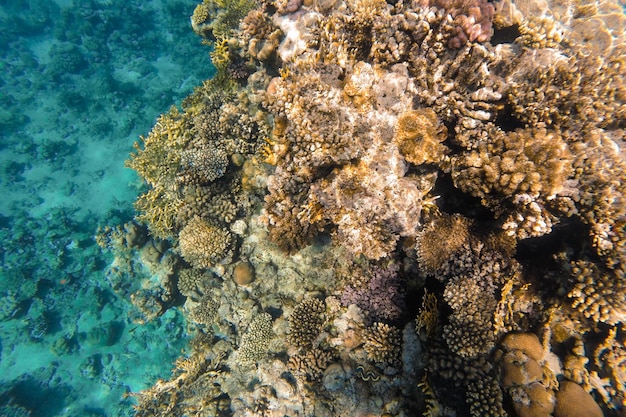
(391, 209)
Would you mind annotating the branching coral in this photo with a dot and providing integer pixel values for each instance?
(204, 311)
(524, 168)
(601, 174)
(192, 282)
(215, 19)
(567, 91)
(311, 364)
(195, 375)
(305, 322)
(379, 293)
(255, 342)
(471, 20)
(202, 165)
(372, 107)
(382, 343)
(599, 293)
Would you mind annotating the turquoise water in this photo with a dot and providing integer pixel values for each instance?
(80, 81)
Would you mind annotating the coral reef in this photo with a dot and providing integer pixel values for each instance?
(363, 153)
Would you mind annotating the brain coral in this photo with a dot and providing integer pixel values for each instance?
(202, 244)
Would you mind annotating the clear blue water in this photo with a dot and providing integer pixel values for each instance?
(80, 81)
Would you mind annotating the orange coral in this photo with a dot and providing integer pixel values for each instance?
(419, 134)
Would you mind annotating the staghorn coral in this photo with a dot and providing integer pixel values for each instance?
(195, 375)
(203, 245)
(305, 322)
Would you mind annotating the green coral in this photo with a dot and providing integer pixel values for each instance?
(216, 19)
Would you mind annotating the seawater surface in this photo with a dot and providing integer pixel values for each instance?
(80, 81)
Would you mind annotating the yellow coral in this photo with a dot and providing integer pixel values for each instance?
(220, 55)
(428, 316)
(200, 14)
(158, 210)
(419, 134)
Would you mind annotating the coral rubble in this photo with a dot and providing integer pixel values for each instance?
(356, 159)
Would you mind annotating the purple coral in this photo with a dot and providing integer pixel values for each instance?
(381, 298)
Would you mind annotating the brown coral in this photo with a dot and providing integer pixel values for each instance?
(202, 244)
(305, 322)
(573, 401)
(419, 134)
(383, 343)
(599, 293)
(439, 240)
(523, 161)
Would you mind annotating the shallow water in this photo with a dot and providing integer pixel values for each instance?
(80, 82)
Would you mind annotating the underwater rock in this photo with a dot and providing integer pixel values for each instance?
(243, 273)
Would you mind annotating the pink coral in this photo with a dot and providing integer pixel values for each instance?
(472, 19)
(382, 298)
